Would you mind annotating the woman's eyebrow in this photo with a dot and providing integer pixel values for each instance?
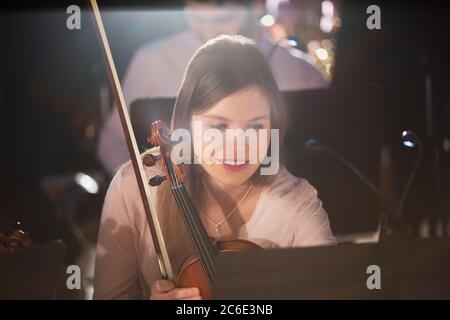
(258, 118)
(217, 117)
(213, 116)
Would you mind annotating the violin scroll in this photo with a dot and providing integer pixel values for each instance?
(160, 134)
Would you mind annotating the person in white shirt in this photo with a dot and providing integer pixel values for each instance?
(228, 84)
(156, 70)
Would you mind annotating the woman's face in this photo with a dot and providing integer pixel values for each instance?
(248, 108)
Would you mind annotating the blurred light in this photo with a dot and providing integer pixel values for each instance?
(292, 43)
(326, 24)
(313, 45)
(89, 131)
(327, 8)
(327, 21)
(408, 144)
(86, 182)
(267, 20)
(409, 139)
(322, 54)
(446, 145)
(327, 44)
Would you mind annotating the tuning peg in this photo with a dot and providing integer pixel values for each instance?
(157, 180)
(150, 140)
(149, 160)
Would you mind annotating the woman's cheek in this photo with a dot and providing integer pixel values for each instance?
(200, 145)
(263, 145)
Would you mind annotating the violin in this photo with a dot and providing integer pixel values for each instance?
(198, 268)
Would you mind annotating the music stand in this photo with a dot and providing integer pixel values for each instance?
(409, 269)
(334, 272)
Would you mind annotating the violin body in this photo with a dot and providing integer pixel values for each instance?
(191, 272)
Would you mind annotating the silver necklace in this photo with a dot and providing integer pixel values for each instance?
(217, 224)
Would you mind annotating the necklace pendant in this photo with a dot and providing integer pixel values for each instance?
(217, 229)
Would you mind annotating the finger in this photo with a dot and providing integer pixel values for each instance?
(164, 285)
(182, 293)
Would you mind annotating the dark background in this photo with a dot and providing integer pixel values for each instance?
(50, 79)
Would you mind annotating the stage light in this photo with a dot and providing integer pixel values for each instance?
(292, 43)
(409, 139)
(86, 182)
(322, 54)
(267, 21)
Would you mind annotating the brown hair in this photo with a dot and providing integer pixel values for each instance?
(222, 66)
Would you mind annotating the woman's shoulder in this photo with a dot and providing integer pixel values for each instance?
(290, 212)
(123, 203)
(286, 186)
(300, 219)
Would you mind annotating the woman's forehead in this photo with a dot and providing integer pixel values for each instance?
(246, 104)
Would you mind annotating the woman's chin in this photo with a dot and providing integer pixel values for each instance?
(233, 176)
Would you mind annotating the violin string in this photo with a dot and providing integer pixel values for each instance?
(189, 207)
(202, 251)
(200, 246)
(204, 244)
(207, 259)
(178, 183)
(197, 225)
(189, 224)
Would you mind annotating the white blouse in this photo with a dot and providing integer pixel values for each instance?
(288, 214)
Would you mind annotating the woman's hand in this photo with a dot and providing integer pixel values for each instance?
(165, 290)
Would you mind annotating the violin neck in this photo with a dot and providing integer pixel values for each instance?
(200, 239)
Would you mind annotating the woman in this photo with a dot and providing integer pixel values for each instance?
(227, 85)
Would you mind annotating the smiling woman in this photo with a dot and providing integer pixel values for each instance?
(233, 143)
(236, 149)
(227, 85)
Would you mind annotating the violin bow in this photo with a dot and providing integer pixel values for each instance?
(162, 255)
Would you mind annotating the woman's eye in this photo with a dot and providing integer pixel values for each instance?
(256, 126)
(219, 126)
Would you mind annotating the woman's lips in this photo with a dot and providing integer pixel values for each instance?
(235, 165)
(235, 168)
